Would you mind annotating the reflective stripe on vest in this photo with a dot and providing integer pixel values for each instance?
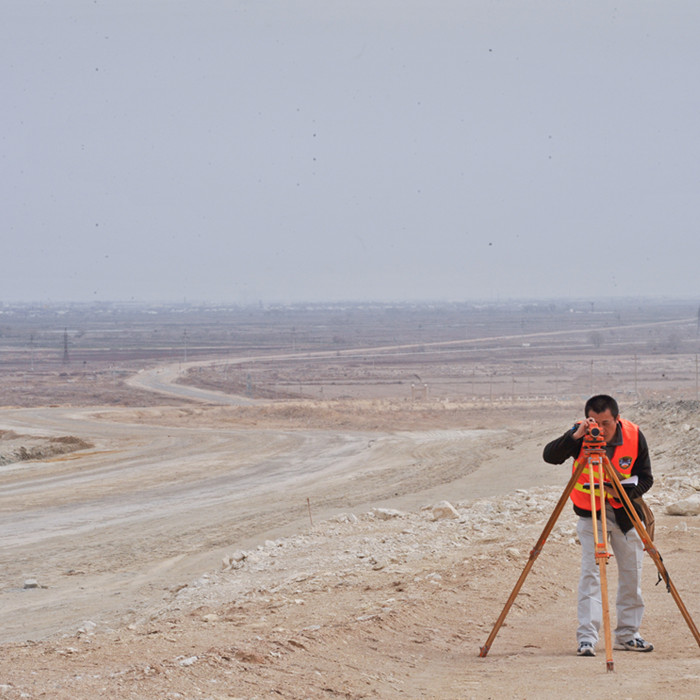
(623, 460)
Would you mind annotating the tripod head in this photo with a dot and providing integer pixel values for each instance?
(593, 439)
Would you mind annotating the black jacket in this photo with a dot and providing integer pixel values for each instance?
(565, 447)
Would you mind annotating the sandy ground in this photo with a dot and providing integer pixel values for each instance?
(208, 551)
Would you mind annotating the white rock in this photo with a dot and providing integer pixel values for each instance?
(346, 518)
(688, 506)
(387, 513)
(31, 583)
(444, 510)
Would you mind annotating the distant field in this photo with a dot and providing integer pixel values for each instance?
(452, 352)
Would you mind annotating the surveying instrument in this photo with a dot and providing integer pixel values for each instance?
(601, 474)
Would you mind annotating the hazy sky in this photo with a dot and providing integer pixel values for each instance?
(293, 150)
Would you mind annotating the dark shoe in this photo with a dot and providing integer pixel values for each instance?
(586, 649)
(636, 644)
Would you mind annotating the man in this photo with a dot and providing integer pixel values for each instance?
(627, 451)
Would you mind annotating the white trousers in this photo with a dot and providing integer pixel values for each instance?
(628, 551)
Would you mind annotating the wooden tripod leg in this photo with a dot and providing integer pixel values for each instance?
(483, 651)
(649, 546)
(601, 552)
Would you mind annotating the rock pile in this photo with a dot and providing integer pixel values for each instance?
(380, 539)
(673, 432)
(392, 540)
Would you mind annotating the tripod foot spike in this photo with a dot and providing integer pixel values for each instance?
(610, 665)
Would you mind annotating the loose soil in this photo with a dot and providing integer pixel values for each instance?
(323, 597)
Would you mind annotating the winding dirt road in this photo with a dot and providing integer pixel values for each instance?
(111, 532)
(145, 509)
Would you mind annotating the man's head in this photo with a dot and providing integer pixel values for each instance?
(605, 412)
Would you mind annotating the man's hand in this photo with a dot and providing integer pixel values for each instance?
(582, 429)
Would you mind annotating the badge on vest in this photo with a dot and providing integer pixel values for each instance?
(625, 462)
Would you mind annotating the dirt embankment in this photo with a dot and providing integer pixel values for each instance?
(24, 448)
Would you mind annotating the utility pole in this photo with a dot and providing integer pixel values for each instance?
(65, 347)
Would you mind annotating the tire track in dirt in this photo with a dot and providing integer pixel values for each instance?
(112, 530)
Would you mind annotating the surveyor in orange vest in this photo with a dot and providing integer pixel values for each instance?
(627, 451)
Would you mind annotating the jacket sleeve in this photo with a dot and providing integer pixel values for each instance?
(641, 469)
(561, 449)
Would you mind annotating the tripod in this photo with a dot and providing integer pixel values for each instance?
(601, 473)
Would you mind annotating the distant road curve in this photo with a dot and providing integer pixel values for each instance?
(163, 379)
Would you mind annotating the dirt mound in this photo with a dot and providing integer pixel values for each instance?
(24, 448)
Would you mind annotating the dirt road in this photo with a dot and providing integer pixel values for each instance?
(125, 542)
(110, 531)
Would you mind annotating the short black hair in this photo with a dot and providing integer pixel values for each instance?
(601, 403)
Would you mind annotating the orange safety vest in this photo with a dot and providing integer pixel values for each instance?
(623, 459)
